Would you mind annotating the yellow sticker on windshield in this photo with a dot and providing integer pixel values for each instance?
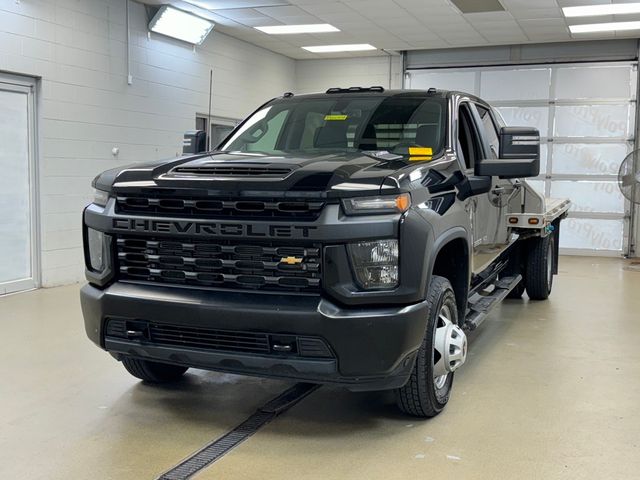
(420, 151)
(328, 118)
(420, 159)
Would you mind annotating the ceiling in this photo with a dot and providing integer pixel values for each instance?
(396, 25)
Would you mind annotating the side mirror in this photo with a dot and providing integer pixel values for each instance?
(519, 154)
(194, 141)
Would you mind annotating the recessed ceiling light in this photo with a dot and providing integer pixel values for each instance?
(604, 27)
(289, 29)
(596, 10)
(356, 47)
(182, 25)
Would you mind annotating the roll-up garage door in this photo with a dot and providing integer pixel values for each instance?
(586, 116)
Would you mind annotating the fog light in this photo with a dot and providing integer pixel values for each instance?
(97, 250)
(375, 264)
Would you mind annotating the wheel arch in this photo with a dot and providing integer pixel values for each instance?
(451, 259)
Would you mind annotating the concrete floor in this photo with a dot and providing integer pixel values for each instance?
(551, 391)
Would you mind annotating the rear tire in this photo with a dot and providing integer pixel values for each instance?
(540, 267)
(425, 395)
(153, 372)
(516, 267)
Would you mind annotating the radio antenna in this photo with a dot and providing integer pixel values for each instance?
(209, 114)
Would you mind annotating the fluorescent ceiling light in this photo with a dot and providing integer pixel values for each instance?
(184, 26)
(357, 47)
(289, 29)
(604, 27)
(596, 10)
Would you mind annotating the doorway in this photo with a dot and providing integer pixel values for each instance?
(19, 252)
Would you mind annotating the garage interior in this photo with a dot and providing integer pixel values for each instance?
(550, 389)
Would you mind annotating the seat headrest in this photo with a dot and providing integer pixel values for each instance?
(428, 135)
(369, 140)
(332, 135)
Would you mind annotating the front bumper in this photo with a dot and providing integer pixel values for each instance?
(373, 348)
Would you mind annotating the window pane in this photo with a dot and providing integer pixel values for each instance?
(591, 234)
(544, 153)
(588, 196)
(594, 82)
(490, 130)
(588, 159)
(529, 84)
(537, 185)
(15, 203)
(593, 121)
(537, 117)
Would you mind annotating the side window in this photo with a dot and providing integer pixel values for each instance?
(468, 141)
(490, 130)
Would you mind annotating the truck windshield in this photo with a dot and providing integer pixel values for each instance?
(344, 124)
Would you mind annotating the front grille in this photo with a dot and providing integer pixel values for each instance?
(245, 342)
(214, 339)
(219, 264)
(235, 171)
(219, 208)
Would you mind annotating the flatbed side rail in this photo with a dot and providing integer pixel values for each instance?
(554, 208)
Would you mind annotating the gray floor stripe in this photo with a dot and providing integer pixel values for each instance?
(221, 446)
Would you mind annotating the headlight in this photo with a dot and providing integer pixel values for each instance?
(97, 250)
(371, 205)
(375, 263)
(100, 197)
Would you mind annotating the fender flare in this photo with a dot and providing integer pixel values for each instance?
(442, 240)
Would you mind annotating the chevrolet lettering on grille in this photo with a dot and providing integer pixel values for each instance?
(212, 229)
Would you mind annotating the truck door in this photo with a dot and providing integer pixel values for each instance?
(490, 235)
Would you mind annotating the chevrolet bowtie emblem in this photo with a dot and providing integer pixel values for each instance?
(291, 260)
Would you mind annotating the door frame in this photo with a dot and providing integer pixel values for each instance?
(19, 84)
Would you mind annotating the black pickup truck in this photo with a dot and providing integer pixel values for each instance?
(348, 237)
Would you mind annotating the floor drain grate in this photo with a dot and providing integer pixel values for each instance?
(221, 446)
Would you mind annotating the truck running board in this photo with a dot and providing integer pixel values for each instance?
(480, 305)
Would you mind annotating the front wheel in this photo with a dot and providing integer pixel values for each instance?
(153, 372)
(443, 350)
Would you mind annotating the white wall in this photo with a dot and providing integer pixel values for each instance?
(86, 108)
(318, 75)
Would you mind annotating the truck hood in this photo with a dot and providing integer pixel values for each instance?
(338, 174)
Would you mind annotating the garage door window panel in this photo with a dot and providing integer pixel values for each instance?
(595, 82)
(592, 234)
(526, 84)
(537, 117)
(601, 121)
(589, 158)
(590, 196)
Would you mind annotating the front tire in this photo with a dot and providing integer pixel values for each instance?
(153, 372)
(540, 267)
(429, 386)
